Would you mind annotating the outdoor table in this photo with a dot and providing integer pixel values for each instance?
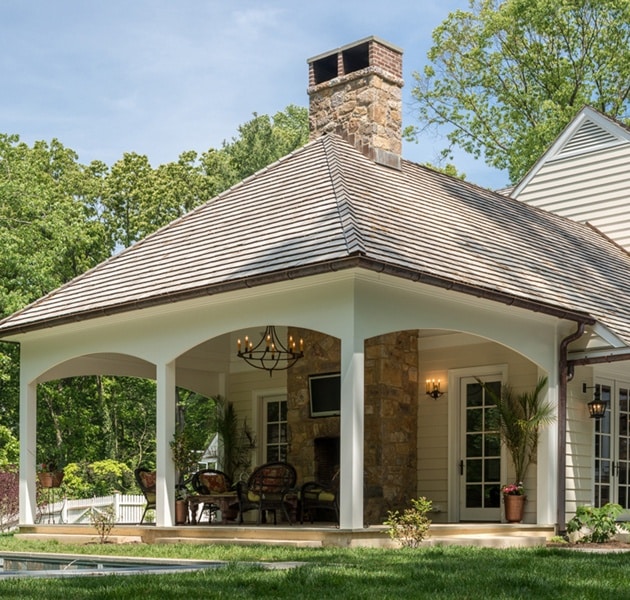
(223, 501)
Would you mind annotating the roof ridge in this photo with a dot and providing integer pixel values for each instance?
(355, 243)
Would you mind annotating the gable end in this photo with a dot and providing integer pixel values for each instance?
(587, 138)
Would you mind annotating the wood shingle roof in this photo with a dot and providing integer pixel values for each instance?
(326, 204)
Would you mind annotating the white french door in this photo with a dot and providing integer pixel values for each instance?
(612, 447)
(480, 451)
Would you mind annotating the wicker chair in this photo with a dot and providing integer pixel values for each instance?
(208, 482)
(146, 482)
(270, 487)
(316, 496)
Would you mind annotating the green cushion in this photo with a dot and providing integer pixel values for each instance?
(253, 497)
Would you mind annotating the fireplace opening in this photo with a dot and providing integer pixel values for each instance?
(327, 454)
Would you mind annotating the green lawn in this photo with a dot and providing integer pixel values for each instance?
(447, 572)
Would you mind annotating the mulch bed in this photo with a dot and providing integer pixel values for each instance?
(612, 546)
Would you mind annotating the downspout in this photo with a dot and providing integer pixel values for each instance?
(565, 376)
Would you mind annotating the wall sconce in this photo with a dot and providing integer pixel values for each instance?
(597, 406)
(433, 389)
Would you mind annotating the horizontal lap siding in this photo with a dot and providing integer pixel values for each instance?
(579, 479)
(590, 187)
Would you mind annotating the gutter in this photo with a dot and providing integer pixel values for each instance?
(598, 360)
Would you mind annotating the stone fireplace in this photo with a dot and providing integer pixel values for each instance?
(391, 408)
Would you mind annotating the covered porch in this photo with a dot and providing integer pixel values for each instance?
(393, 442)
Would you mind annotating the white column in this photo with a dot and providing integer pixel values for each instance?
(28, 451)
(352, 433)
(547, 460)
(165, 427)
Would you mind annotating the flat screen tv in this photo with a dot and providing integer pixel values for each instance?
(325, 394)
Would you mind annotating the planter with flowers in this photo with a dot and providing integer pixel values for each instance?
(50, 475)
(520, 417)
(514, 499)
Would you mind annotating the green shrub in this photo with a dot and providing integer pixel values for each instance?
(410, 527)
(100, 478)
(600, 523)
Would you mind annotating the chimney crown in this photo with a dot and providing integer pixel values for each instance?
(356, 92)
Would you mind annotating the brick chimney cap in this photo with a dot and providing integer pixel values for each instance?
(371, 38)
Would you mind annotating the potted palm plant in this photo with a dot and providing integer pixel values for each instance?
(520, 417)
(237, 440)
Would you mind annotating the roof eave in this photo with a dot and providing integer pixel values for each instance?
(350, 262)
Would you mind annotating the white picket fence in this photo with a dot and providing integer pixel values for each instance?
(127, 507)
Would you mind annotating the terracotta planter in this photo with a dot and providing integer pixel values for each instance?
(50, 479)
(181, 512)
(514, 508)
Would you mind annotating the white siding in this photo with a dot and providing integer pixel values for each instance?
(592, 187)
(579, 480)
(244, 390)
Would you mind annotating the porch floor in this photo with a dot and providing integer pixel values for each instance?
(495, 535)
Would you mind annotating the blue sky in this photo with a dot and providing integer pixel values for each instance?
(159, 77)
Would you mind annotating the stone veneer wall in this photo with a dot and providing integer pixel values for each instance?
(391, 413)
(391, 408)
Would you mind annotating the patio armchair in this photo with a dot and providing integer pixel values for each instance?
(270, 487)
(316, 496)
(208, 482)
(146, 482)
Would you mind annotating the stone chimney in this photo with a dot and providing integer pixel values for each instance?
(356, 92)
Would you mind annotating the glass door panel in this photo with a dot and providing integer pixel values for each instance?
(275, 411)
(612, 448)
(480, 467)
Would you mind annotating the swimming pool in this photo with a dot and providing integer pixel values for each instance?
(31, 564)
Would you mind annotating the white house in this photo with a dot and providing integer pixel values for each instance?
(392, 274)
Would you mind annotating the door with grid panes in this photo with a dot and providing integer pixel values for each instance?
(480, 450)
(275, 427)
(612, 447)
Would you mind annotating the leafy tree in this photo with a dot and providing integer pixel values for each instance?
(506, 76)
(117, 416)
(59, 218)
(9, 448)
(128, 192)
(9, 385)
(265, 139)
(48, 230)
(49, 233)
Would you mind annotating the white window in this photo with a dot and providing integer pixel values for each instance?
(275, 427)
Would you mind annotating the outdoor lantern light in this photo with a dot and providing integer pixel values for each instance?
(433, 389)
(597, 406)
(270, 354)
